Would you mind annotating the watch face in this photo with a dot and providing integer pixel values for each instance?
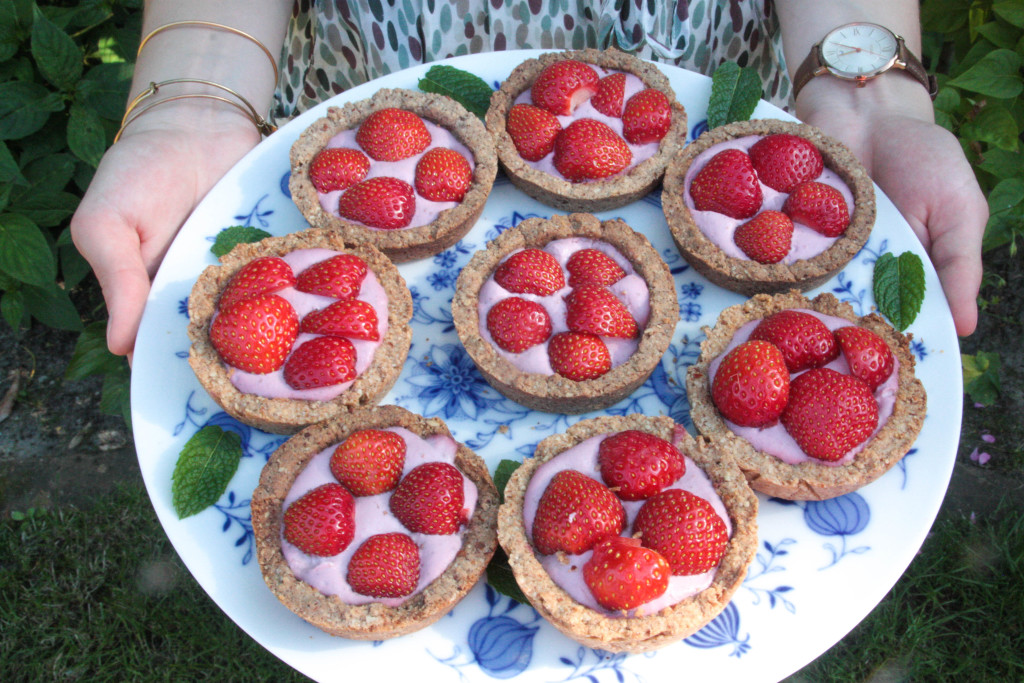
(859, 51)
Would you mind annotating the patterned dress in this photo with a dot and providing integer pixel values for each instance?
(333, 45)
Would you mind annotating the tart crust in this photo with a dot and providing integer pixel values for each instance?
(598, 195)
(808, 480)
(404, 244)
(283, 415)
(554, 393)
(643, 633)
(748, 276)
(372, 621)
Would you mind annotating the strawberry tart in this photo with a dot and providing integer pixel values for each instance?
(567, 314)
(406, 171)
(293, 330)
(375, 524)
(586, 130)
(768, 206)
(811, 400)
(626, 533)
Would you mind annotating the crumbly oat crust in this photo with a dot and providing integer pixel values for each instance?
(598, 195)
(554, 393)
(748, 276)
(372, 621)
(634, 634)
(286, 416)
(809, 480)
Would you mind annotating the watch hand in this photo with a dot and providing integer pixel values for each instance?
(858, 49)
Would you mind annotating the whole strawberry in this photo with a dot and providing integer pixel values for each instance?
(563, 85)
(829, 413)
(685, 529)
(574, 513)
(727, 184)
(765, 238)
(622, 574)
(369, 461)
(351, 318)
(594, 309)
(647, 117)
(610, 92)
(636, 465)
(264, 275)
(579, 356)
(783, 161)
(430, 499)
(805, 341)
(322, 521)
(530, 271)
(338, 168)
(533, 131)
(392, 135)
(516, 324)
(588, 149)
(340, 277)
(379, 202)
(595, 267)
(385, 566)
(321, 362)
(443, 175)
(819, 206)
(867, 354)
(751, 386)
(255, 334)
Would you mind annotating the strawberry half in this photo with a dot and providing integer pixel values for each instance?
(338, 168)
(622, 574)
(685, 529)
(805, 341)
(563, 85)
(765, 238)
(647, 117)
(256, 334)
(322, 521)
(517, 324)
(783, 161)
(590, 266)
(611, 91)
(829, 413)
(727, 184)
(594, 309)
(636, 465)
(353, 318)
(369, 461)
(264, 275)
(393, 135)
(579, 356)
(574, 513)
(443, 175)
(321, 362)
(751, 386)
(340, 277)
(588, 149)
(819, 206)
(385, 566)
(868, 355)
(533, 131)
(379, 202)
(530, 271)
(430, 499)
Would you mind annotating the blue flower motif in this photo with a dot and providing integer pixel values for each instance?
(442, 279)
(257, 215)
(764, 565)
(183, 307)
(845, 292)
(239, 512)
(698, 129)
(843, 516)
(507, 222)
(871, 254)
(285, 190)
(919, 349)
(690, 290)
(602, 661)
(449, 384)
(722, 630)
(690, 311)
(501, 645)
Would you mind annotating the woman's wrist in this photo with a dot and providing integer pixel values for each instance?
(892, 93)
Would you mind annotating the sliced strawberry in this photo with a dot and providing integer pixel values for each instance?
(751, 386)
(430, 499)
(385, 566)
(264, 275)
(321, 362)
(611, 91)
(393, 135)
(588, 149)
(805, 341)
(783, 161)
(829, 413)
(647, 117)
(868, 355)
(594, 309)
(636, 465)
(256, 334)
(338, 168)
(443, 175)
(766, 238)
(563, 85)
(322, 521)
(579, 356)
(819, 206)
(340, 277)
(727, 184)
(622, 574)
(574, 513)
(685, 529)
(379, 202)
(593, 267)
(516, 324)
(351, 318)
(530, 271)
(369, 461)
(533, 131)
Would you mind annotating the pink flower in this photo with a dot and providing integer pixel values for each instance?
(988, 438)
(981, 458)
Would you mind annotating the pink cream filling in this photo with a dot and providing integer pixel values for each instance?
(719, 228)
(775, 440)
(272, 385)
(630, 290)
(373, 516)
(568, 574)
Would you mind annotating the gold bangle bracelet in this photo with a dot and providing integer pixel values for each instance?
(210, 24)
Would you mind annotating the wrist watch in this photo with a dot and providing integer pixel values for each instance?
(860, 52)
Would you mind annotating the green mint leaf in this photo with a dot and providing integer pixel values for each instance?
(501, 578)
(24, 252)
(899, 287)
(205, 466)
(981, 376)
(502, 474)
(735, 92)
(236, 234)
(469, 90)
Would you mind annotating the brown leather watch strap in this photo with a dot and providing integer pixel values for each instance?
(909, 62)
(808, 69)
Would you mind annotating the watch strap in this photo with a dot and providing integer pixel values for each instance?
(808, 69)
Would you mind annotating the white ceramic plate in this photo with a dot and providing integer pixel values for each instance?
(820, 567)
